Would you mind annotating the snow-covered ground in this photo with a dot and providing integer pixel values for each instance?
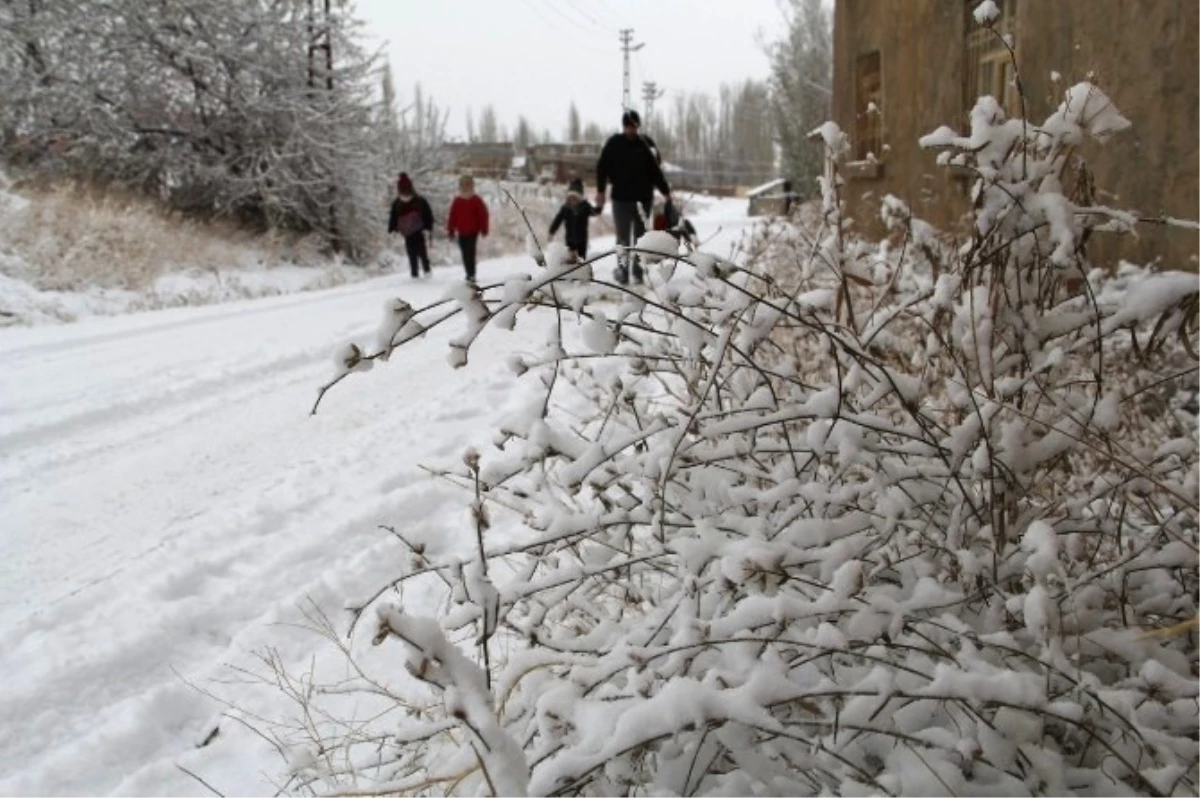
(24, 304)
(167, 501)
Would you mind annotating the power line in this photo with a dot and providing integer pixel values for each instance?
(578, 25)
(587, 16)
(564, 33)
(529, 4)
(752, 114)
(606, 13)
(641, 67)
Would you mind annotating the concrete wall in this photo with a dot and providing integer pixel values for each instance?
(1143, 53)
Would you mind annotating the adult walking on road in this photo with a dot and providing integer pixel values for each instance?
(630, 161)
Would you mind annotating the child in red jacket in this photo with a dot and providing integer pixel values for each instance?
(468, 220)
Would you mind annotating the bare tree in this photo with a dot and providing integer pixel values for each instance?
(801, 74)
(574, 128)
(489, 126)
(523, 134)
(593, 132)
(418, 136)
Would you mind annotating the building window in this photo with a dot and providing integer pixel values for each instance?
(868, 107)
(989, 68)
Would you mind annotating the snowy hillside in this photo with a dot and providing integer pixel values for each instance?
(168, 499)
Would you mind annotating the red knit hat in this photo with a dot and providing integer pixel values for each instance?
(404, 184)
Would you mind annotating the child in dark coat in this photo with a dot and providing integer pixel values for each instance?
(468, 220)
(575, 214)
(412, 218)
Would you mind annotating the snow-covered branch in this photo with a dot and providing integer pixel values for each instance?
(841, 517)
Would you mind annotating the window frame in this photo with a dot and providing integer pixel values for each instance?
(869, 133)
(987, 65)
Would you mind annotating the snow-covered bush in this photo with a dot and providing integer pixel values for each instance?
(897, 521)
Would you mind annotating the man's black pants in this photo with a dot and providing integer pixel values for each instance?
(630, 221)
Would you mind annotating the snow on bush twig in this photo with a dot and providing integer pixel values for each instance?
(895, 521)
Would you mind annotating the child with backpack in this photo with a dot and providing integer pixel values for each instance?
(575, 214)
(412, 218)
(468, 219)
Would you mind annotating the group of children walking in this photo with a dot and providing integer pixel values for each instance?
(412, 218)
(467, 221)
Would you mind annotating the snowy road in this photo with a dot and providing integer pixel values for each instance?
(165, 496)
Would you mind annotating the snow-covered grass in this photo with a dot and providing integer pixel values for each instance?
(68, 251)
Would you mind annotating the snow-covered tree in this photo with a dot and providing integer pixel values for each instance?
(261, 111)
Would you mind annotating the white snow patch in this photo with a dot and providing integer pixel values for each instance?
(986, 12)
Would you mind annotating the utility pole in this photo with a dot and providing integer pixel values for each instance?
(627, 47)
(325, 33)
(328, 46)
(314, 45)
(650, 93)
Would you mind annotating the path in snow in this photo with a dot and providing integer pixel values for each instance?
(165, 496)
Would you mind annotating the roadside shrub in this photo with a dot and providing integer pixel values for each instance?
(874, 520)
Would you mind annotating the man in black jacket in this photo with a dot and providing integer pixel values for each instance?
(632, 163)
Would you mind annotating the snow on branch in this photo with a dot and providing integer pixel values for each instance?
(915, 516)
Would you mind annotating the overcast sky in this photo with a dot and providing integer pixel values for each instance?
(534, 57)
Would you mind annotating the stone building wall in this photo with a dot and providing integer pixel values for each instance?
(1142, 53)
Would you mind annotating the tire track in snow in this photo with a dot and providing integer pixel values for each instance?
(161, 402)
(209, 589)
